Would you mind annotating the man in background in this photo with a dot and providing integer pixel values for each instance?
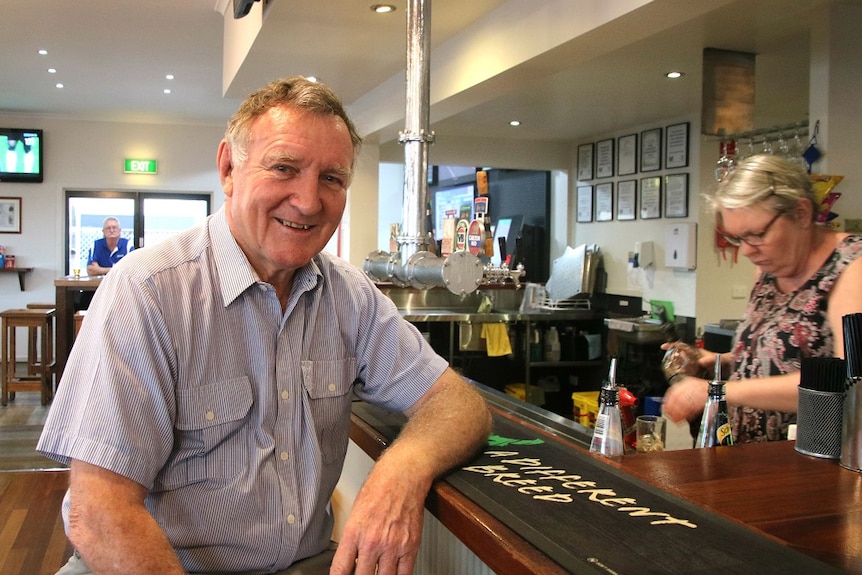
(108, 250)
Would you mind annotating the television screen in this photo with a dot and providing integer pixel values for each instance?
(454, 202)
(20, 155)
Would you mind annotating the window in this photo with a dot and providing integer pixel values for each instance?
(146, 218)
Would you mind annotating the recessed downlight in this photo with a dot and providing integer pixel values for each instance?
(383, 8)
(515, 123)
(674, 74)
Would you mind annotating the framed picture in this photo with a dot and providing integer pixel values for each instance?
(650, 198)
(585, 204)
(676, 196)
(627, 200)
(676, 146)
(10, 215)
(651, 150)
(605, 158)
(585, 162)
(605, 202)
(627, 155)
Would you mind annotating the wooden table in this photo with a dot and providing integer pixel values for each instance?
(32, 539)
(67, 289)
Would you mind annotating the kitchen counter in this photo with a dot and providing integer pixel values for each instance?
(536, 501)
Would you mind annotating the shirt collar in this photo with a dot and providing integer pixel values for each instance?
(235, 272)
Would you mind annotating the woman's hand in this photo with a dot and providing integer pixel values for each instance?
(685, 399)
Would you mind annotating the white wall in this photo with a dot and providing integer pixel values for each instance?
(616, 239)
(89, 156)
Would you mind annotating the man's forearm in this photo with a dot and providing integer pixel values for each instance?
(448, 426)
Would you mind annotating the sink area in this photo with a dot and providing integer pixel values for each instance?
(630, 324)
(640, 330)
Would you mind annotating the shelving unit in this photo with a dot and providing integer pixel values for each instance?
(443, 331)
(20, 272)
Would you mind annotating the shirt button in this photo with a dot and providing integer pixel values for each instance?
(285, 394)
(284, 455)
(291, 518)
(210, 415)
(331, 387)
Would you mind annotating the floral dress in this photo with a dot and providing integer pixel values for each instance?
(780, 329)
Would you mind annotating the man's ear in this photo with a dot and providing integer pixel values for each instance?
(224, 160)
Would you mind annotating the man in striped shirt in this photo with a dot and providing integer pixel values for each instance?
(205, 407)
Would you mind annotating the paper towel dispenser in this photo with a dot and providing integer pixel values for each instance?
(680, 250)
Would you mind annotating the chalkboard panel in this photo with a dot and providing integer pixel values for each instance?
(592, 518)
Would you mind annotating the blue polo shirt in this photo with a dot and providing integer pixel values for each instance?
(106, 258)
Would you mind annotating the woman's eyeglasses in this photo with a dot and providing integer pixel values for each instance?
(752, 239)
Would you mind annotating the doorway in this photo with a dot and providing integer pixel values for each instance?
(146, 218)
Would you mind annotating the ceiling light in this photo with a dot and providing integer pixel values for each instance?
(383, 8)
(43, 52)
(60, 86)
(674, 75)
(52, 70)
(169, 77)
(167, 90)
(515, 123)
(311, 78)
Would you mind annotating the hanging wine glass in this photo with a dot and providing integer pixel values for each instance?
(727, 161)
(767, 146)
(744, 149)
(796, 149)
(783, 146)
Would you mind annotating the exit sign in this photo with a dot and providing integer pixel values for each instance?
(134, 166)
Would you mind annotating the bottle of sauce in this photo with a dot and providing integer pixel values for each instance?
(714, 425)
(552, 344)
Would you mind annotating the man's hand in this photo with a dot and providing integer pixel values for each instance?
(383, 532)
(446, 426)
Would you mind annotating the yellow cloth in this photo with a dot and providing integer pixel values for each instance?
(496, 339)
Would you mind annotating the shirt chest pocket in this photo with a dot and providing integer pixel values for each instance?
(212, 428)
(328, 386)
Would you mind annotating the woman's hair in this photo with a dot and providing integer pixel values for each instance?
(295, 91)
(761, 177)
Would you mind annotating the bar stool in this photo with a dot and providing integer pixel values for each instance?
(33, 339)
(43, 321)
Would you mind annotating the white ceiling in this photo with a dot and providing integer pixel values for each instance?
(113, 55)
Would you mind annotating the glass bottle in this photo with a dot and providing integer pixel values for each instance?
(608, 433)
(714, 425)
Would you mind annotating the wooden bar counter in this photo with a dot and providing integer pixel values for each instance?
(813, 505)
(749, 508)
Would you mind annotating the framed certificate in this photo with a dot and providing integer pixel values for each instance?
(627, 200)
(627, 155)
(650, 198)
(10, 219)
(676, 196)
(605, 202)
(585, 204)
(605, 158)
(676, 146)
(585, 162)
(651, 150)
